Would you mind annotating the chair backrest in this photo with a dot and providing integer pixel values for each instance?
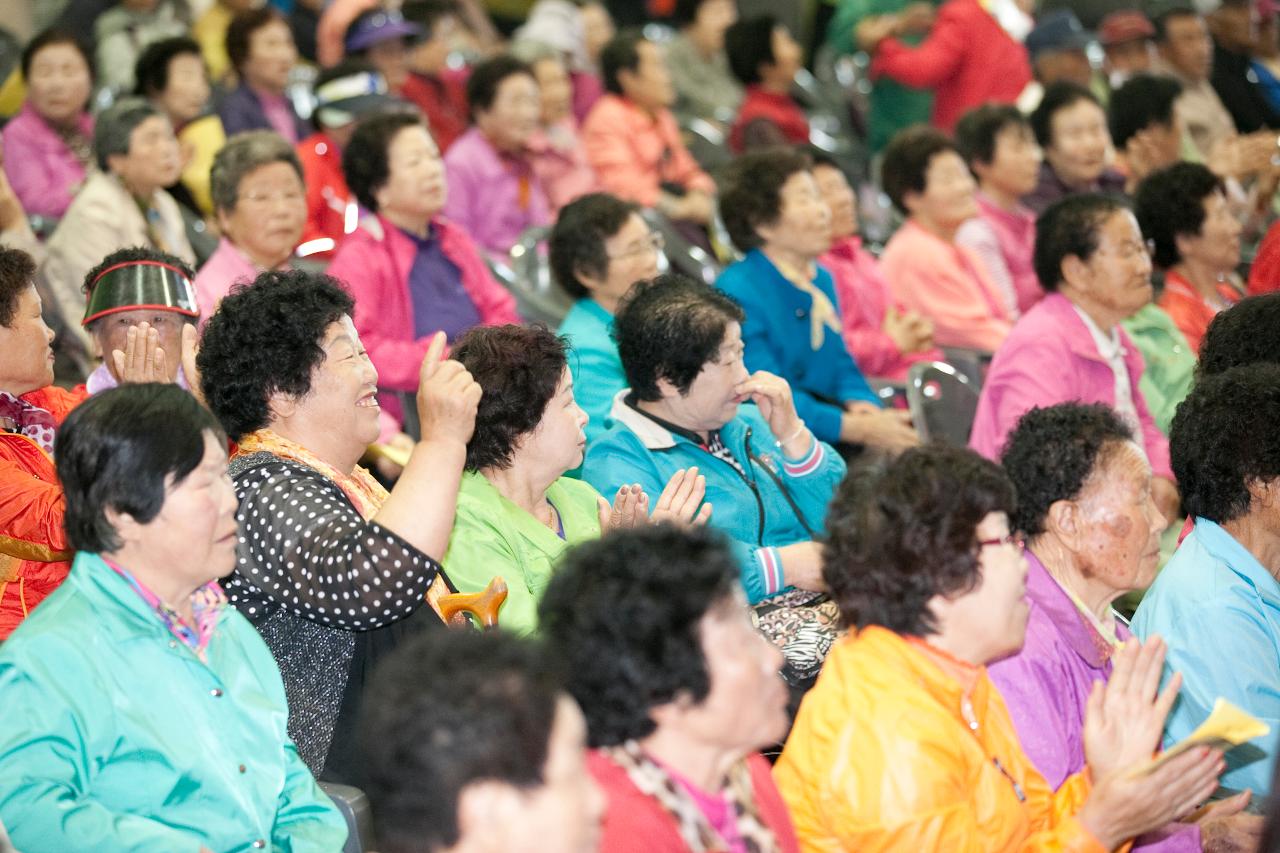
(684, 256)
(354, 806)
(942, 401)
(526, 274)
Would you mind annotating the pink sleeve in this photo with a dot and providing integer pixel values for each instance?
(39, 189)
(873, 350)
(944, 294)
(979, 237)
(1018, 383)
(933, 61)
(615, 163)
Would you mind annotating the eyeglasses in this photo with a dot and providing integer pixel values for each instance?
(655, 242)
(1130, 250)
(1012, 539)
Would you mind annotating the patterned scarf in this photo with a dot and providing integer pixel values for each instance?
(17, 415)
(207, 604)
(822, 314)
(695, 830)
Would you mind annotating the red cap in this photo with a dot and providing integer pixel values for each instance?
(1124, 25)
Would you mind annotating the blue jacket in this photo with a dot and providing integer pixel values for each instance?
(776, 337)
(594, 363)
(753, 511)
(117, 737)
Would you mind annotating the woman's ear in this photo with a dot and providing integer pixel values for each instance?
(125, 525)
(1064, 522)
(281, 406)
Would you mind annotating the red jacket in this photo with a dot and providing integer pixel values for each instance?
(1189, 310)
(790, 124)
(443, 101)
(34, 552)
(374, 262)
(967, 59)
(1264, 274)
(327, 193)
(635, 823)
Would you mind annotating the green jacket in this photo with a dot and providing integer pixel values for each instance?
(116, 737)
(1171, 365)
(492, 536)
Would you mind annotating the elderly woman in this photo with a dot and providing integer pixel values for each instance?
(600, 246)
(171, 74)
(905, 743)
(928, 271)
(774, 212)
(412, 272)
(765, 57)
(768, 478)
(1085, 504)
(1218, 601)
(679, 691)
(705, 87)
(49, 143)
(1091, 260)
(884, 338)
(517, 512)
(331, 569)
(262, 206)
(1071, 127)
(34, 550)
(194, 753)
(1183, 211)
(123, 205)
(260, 47)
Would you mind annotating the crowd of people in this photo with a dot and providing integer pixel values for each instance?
(507, 417)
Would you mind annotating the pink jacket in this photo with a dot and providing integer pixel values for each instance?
(45, 175)
(374, 262)
(1050, 357)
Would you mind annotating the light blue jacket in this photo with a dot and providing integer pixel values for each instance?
(775, 335)
(594, 363)
(116, 737)
(754, 511)
(1219, 611)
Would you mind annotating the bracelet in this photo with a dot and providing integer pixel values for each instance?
(800, 430)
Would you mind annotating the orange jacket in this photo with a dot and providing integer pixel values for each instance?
(1191, 313)
(881, 758)
(34, 553)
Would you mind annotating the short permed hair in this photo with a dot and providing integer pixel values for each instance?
(622, 53)
(1223, 438)
(577, 239)
(978, 128)
(113, 129)
(1070, 226)
(243, 154)
(1057, 96)
(751, 191)
(265, 338)
(151, 71)
(446, 710)
(628, 644)
(1170, 203)
(1051, 453)
(1144, 100)
(906, 531)
(748, 44)
(48, 38)
(1246, 333)
(241, 29)
(669, 328)
(487, 78)
(366, 159)
(17, 272)
(120, 449)
(906, 162)
(518, 368)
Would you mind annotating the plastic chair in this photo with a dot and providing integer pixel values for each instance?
(354, 806)
(538, 297)
(942, 402)
(685, 257)
(973, 363)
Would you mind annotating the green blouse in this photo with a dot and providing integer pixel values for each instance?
(1170, 363)
(492, 536)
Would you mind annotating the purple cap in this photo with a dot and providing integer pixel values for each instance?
(378, 26)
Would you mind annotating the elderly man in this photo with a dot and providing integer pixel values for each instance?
(1186, 54)
(1091, 259)
(124, 204)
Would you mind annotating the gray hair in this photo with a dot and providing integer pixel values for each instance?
(244, 153)
(113, 129)
(530, 51)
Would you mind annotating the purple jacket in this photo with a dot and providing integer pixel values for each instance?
(1047, 684)
(43, 172)
(1051, 358)
(493, 196)
(241, 110)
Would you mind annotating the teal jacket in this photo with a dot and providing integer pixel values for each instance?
(775, 335)
(116, 737)
(594, 363)
(754, 511)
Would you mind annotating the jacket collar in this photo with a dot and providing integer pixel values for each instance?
(1047, 594)
(949, 680)
(1073, 330)
(131, 617)
(1225, 547)
(651, 434)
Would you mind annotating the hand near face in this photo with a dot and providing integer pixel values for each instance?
(772, 395)
(447, 396)
(681, 501)
(190, 339)
(143, 359)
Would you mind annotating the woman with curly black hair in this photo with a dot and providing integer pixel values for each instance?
(331, 569)
(1217, 602)
(1184, 213)
(679, 690)
(517, 511)
(904, 743)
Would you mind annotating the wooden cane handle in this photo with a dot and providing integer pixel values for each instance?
(483, 605)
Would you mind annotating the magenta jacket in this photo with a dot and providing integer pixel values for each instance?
(1051, 358)
(43, 172)
(374, 262)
